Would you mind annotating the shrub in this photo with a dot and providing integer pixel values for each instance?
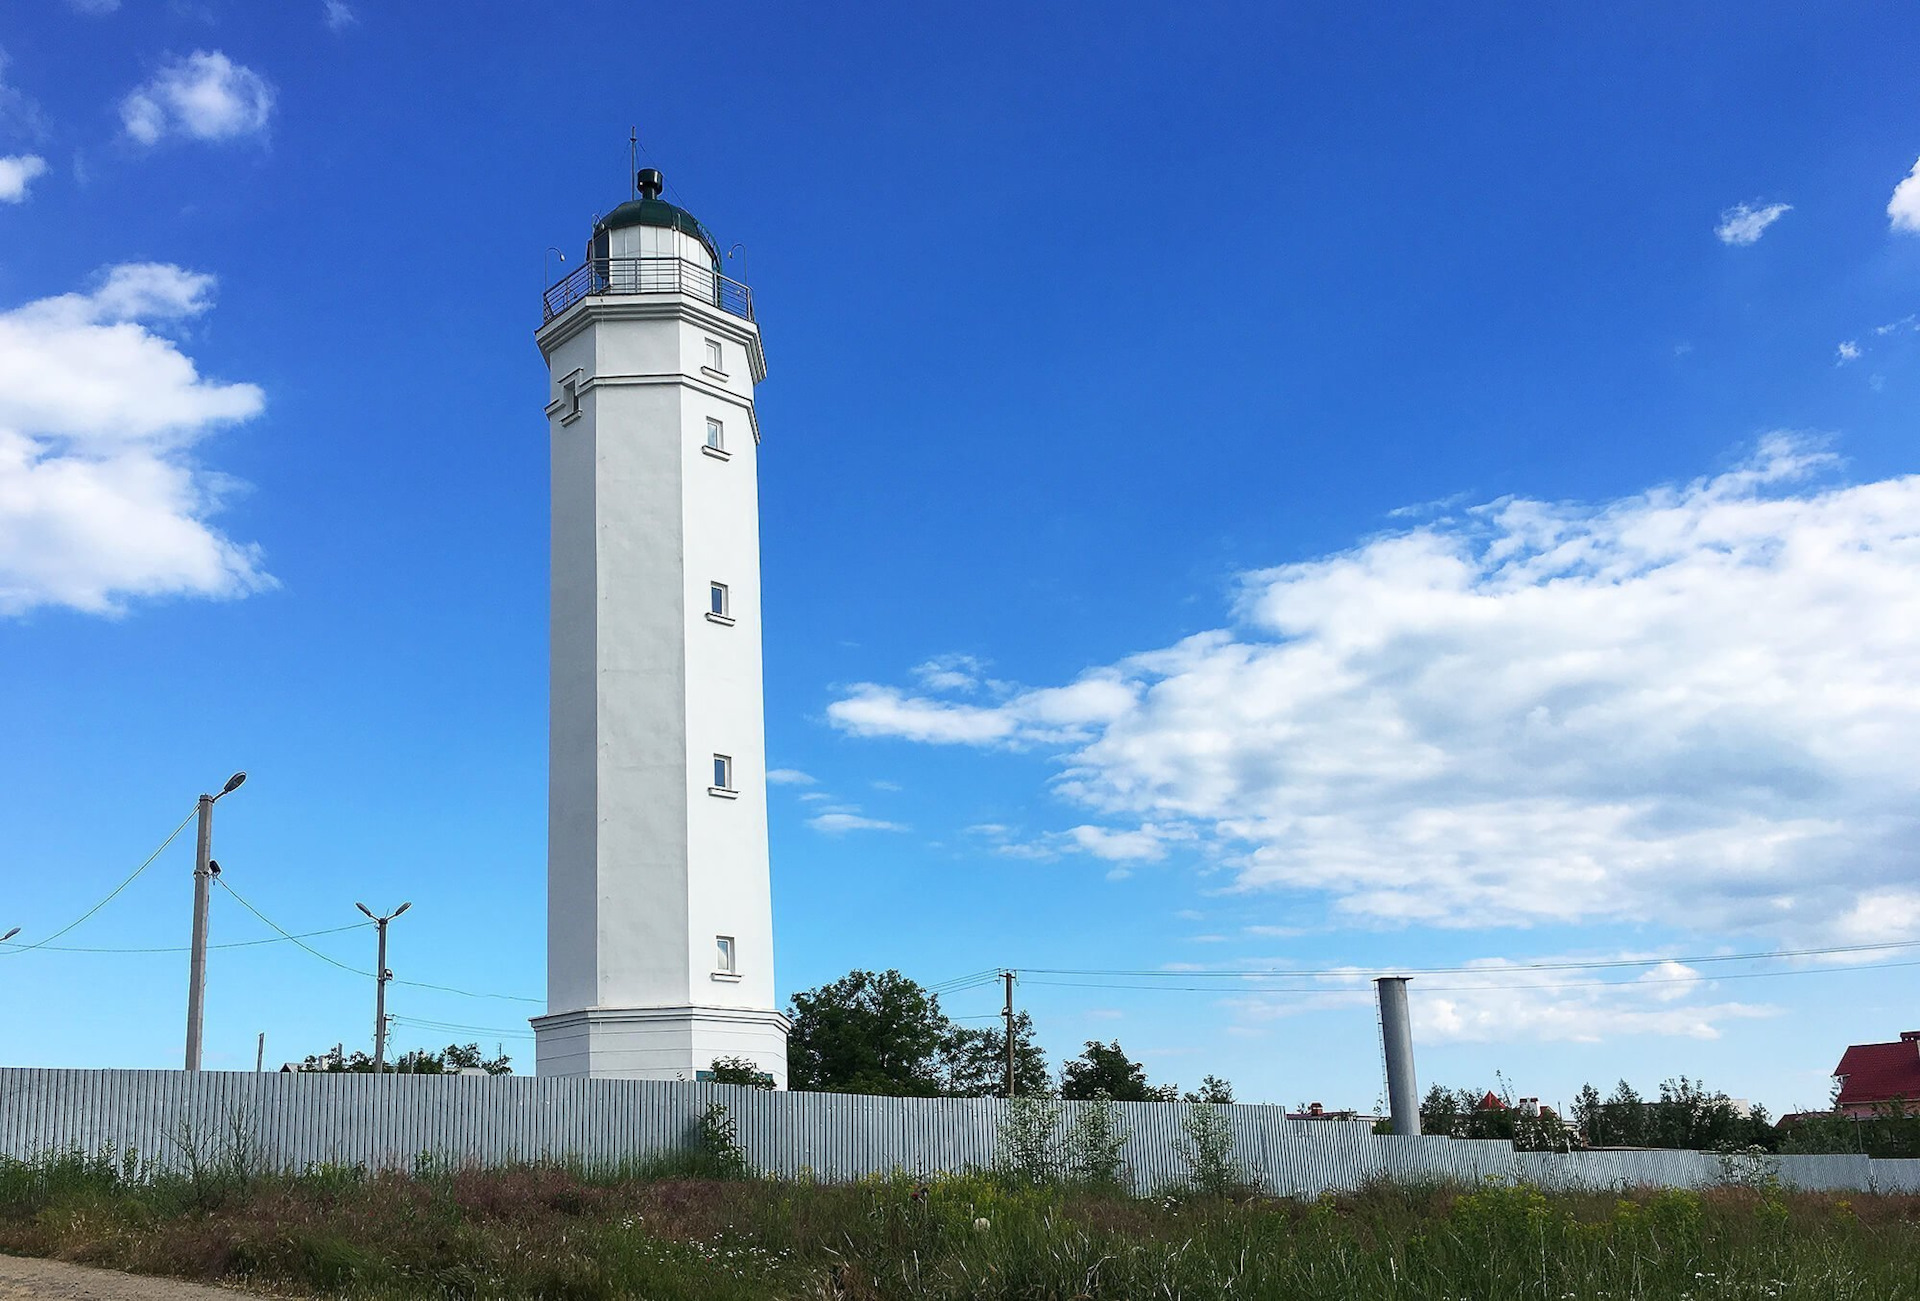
(1208, 1151)
(1093, 1147)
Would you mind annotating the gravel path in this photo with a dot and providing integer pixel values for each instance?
(21, 1277)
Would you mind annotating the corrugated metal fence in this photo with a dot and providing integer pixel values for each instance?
(290, 1122)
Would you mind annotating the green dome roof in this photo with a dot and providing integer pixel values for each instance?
(658, 212)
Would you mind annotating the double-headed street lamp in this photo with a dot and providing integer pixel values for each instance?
(203, 874)
(380, 978)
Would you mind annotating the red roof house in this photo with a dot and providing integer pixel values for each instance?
(1879, 1073)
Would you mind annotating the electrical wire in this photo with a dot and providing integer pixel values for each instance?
(12, 951)
(1495, 986)
(419, 1023)
(1589, 965)
(184, 948)
(416, 984)
(332, 962)
(468, 993)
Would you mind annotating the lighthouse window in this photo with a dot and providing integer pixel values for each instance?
(723, 772)
(723, 953)
(713, 356)
(716, 436)
(717, 599)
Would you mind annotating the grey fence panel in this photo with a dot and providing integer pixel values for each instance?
(292, 1122)
(1823, 1173)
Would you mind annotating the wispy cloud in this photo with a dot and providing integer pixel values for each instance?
(101, 498)
(17, 173)
(788, 777)
(1702, 701)
(205, 96)
(837, 822)
(1846, 352)
(1903, 209)
(1744, 224)
(339, 16)
(949, 673)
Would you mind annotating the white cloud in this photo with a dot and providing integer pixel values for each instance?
(100, 497)
(788, 777)
(339, 16)
(1499, 1001)
(836, 821)
(1903, 209)
(17, 173)
(949, 673)
(205, 96)
(19, 115)
(1701, 703)
(1743, 224)
(1846, 352)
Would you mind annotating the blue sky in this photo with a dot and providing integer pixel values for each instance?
(1243, 488)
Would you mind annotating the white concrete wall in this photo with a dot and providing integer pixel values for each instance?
(646, 866)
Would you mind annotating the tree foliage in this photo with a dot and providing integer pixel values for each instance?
(743, 1071)
(450, 1060)
(1105, 1071)
(881, 1033)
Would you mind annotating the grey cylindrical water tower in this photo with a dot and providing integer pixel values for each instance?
(1396, 1042)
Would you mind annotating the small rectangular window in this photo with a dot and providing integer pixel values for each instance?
(713, 355)
(716, 436)
(569, 399)
(723, 772)
(717, 599)
(723, 953)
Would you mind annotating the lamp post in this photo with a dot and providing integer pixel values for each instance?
(380, 978)
(203, 873)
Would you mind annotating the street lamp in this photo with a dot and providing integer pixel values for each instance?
(9, 935)
(203, 874)
(380, 978)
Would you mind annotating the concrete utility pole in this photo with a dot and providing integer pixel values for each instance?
(1008, 977)
(1396, 1041)
(260, 1054)
(380, 978)
(203, 874)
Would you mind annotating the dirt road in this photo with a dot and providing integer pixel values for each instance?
(21, 1278)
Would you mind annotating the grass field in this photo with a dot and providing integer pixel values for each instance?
(550, 1232)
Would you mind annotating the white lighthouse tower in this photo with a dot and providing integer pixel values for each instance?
(659, 909)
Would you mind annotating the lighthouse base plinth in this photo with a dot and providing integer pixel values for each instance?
(658, 1043)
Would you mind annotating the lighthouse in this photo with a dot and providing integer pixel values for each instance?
(659, 905)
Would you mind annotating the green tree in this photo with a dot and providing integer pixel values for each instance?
(1212, 1089)
(1104, 1071)
(868, 1032)
(448, 1061)
(743, 1071)
(976, 1061)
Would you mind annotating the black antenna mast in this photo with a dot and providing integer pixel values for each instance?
(633, 160)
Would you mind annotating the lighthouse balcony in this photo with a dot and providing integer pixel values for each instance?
(648, 275)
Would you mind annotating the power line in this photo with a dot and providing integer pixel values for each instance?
(28, 948)
(1493, 986)
(468, 993)
(332, 962)
(1369, 972)
(183, 948)
(419, 1023)
(417, 984)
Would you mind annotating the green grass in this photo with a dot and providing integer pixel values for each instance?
(547, 1231)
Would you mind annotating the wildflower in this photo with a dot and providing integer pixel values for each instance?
(982, 1224)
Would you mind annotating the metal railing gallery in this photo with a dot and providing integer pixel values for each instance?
(648, 275)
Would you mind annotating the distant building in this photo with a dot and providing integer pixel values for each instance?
(1315, 1111)
(1871, 1075)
